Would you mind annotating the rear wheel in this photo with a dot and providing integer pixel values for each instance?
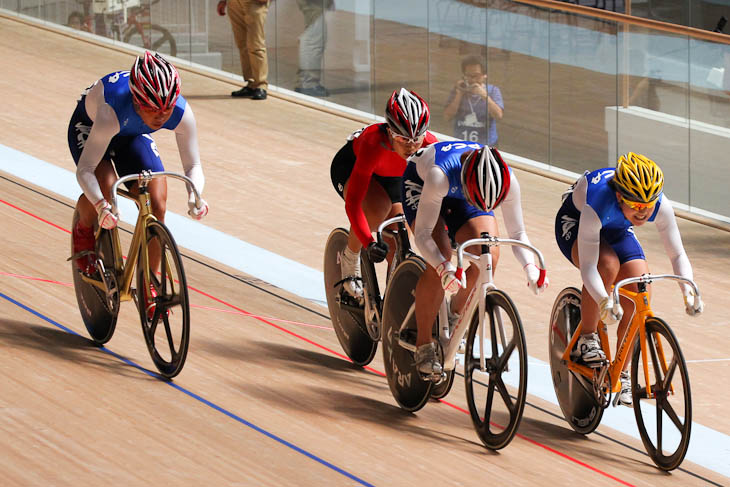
(665, 422)
(497, 395)
(348, 318)
(162, 300)
(99, 309)
(579, 407)
(409, 390)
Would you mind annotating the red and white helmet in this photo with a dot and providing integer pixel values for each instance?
(407, 114)
(154, 82)
(485, 178)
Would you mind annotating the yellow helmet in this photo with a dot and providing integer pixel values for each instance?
(638, 178)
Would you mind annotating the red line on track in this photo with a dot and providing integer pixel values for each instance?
(344, 357)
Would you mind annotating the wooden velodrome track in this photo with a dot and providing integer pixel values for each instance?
(266, 397)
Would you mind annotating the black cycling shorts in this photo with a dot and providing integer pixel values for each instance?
(341, 169)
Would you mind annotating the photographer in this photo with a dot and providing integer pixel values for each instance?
(474, 105)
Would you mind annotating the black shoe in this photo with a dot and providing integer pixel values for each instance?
(258, 94)
(244, 92)
(317, 90)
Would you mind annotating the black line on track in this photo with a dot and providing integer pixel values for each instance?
(271, 293)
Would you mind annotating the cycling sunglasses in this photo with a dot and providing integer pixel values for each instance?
(638, 205)
(407, 140)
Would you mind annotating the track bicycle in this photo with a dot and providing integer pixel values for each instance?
(357, 325)
(658, 372)
(495, 361)
(166, 318)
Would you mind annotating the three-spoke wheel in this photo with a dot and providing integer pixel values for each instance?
(162, 300)
(665, 421)
(496, 389)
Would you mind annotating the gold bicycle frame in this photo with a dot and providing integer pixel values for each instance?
(138, 246)
(637, 325)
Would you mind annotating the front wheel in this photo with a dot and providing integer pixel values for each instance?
(162, 300)
(666, 422)
(496, 394)
(155, 38)
(348, 317)
(579, 407)
(410, 391)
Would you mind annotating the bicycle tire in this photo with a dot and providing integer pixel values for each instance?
(163, 41)
(408, 389)
(579, 408)
(495, 435)
(349, 324)
(98, 310)
(172, 307)
(666, 404)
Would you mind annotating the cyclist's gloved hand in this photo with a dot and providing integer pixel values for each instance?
(533, 275)
(221, 8)
(107, 219)
(449, 281)
(377, 251)
(689, 305)
(610, 313)
(198, 213)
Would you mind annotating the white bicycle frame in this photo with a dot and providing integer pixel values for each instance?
(451, 339)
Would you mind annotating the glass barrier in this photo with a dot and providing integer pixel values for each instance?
(565, 87)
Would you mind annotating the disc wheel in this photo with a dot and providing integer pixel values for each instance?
(409, 390)
(664, 417)
(497, 395)
(99, 309)
(348, 319)
(579, 407)
(162, 300)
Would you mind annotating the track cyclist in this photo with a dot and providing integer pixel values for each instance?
(457, 185)
(366, 173)
(109, 130)
(594, 229)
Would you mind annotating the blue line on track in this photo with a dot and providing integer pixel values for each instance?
(197, 397)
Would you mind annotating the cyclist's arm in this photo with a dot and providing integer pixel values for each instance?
(357, 187)
(186, 135)
(435, 188)
(104, 128)
(666, 223)
(589, 244)
(514, 223)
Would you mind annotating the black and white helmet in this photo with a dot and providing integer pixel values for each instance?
(407, 114)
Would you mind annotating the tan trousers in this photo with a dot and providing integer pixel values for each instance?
(248, 19)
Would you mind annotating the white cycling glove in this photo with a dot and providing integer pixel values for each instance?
(609, 312)
(198, 213)
(689, 305)
(533, 275)
(107, 219)
(449, 281)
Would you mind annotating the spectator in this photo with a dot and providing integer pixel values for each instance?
(311, 47)
(474, 105)
(248, 19)
(75, 20)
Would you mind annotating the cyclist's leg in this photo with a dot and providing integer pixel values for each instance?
(429, 292)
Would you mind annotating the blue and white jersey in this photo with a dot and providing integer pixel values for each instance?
(447, 157)
(118, 96)
(602, 198)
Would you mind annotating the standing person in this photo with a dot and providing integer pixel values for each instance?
(248, 20)
(474, 105)
(311, 47)
(366, 172)
(108, 135)
(594, 229)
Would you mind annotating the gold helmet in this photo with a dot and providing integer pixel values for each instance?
(638, 178)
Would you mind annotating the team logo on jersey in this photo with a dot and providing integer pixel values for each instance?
(340, 188)
(413, 194)
(567, 225)
(82, 133)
